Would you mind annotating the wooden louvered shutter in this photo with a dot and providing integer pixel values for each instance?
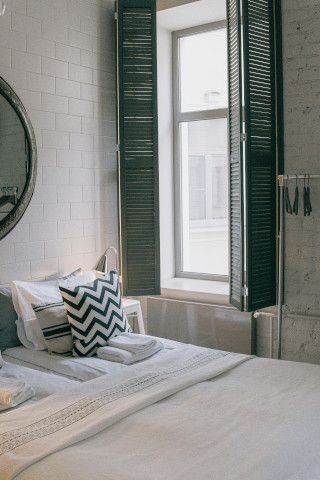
(138, 146)
(260, 80)
(255, 131)
(235, 155)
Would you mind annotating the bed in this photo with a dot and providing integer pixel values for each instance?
(186, 413)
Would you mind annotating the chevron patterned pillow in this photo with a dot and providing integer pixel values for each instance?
(95, 313)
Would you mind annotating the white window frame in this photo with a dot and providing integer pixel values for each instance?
(178, 118)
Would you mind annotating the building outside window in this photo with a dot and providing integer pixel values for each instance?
(201, 151)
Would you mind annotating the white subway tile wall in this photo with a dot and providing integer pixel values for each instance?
(59, 57)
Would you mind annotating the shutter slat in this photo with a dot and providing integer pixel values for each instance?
(138, 137)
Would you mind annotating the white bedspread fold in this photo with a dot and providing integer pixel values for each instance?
(34, 432)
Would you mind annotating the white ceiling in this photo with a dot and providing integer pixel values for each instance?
(193, 14)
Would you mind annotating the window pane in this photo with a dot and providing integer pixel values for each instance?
(197, 190)
(203, 71)
(204, 192)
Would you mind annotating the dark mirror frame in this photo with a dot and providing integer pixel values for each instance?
(11, 220)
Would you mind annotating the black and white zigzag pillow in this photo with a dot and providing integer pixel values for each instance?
(95, 313)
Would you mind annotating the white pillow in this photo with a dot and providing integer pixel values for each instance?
(26, 294)
(22, 334)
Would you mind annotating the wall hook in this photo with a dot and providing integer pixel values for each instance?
(3, 7)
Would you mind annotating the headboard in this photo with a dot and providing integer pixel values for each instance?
(8, 316)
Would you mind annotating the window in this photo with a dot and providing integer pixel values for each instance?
(201, 151)
(251, 150)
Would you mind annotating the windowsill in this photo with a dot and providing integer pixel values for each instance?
(200, 291)
(271, 312)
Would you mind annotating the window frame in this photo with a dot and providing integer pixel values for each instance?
(183, 117)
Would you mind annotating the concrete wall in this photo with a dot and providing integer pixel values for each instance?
(59, 56)
(301, 328)
(302, 145)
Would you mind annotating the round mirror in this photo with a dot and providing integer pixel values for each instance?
(17, 159)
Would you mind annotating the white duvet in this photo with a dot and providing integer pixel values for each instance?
(31, 433)
(257, 421)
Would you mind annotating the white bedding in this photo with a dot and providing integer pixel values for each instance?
(14, 392)
(258, 421)
(43, 383)
(83, 369)
(34, 432)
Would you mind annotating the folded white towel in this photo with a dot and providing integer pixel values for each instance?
(13, 392)
(132, 342)
(125, 357)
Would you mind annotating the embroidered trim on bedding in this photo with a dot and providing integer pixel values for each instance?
(91, 403)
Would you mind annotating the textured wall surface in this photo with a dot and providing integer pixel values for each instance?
(302, 147)
(59, 56)
(301, 326)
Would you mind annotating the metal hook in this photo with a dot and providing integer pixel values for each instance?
(3, 7)
(295, 206)
(287, 197)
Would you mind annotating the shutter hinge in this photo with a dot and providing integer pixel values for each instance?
(117, 147)
(245, 291)
(243, 137)
(116, 16)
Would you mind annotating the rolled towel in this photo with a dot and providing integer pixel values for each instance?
(120, 355)
(132, 342)
(13, 392)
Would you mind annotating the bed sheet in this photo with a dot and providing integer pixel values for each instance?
(82, 369)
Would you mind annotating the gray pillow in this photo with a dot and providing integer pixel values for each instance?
(8, 317)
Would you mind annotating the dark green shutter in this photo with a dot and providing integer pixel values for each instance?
(261, 151)
(262, 140)
(138, 146)
(235, 155)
